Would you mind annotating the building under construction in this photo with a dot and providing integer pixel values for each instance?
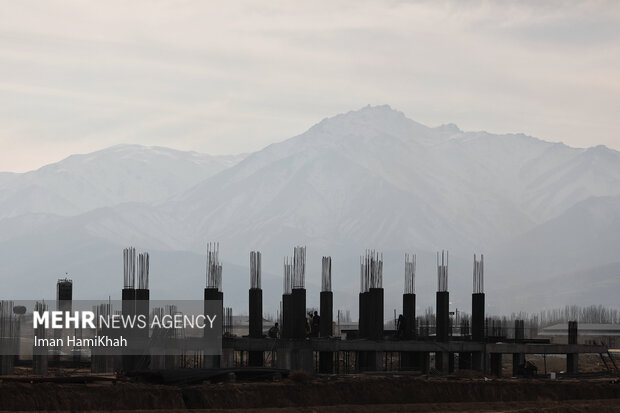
(437, 345)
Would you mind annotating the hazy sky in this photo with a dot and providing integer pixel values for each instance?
(77, 76)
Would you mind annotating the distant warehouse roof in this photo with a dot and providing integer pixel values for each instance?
(584, 329)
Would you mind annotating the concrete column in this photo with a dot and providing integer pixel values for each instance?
(362, 329)
(327, 314)
(372, 311)
(518, 359)
(363, 315)
(572, 359)
(326, 358)
(496, 364)
(128, 309)
(298, 317)
(64, 297)
(465, 361)
(442, 315)
(142, 309)
(477, 317)
(255, 358)
(376, 305)
(572, 363)
(442, 362)
(478, 361)
(477, 329)
(286, 329)
(409, 314)
(284, 358)
(425, 362)
(213, 294)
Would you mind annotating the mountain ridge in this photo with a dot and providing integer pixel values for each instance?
(111, 176)
(370, 178)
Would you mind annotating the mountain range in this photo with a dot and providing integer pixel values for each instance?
(546, 216)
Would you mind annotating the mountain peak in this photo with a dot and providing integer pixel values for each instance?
(369, 121)
(377, 112)
(449, 128)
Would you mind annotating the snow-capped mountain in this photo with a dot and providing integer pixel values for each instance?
(370, 178)
(374, 177)
(123, 173)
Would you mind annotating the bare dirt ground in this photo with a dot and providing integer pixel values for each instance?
(325, 395)
(577, 406)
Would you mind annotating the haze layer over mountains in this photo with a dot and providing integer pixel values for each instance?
(546, 216)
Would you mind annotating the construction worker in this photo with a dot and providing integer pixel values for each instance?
(316, 325)
(274, 332)
(401, 325)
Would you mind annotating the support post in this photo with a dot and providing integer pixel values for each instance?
(572, 359)
(410, 360)
(39, 353)
(443, 316)
(213, 294)
(298, 317)
(326, 358)
(478, 359)
(496, 364)
(518, 359)
(287, 316)
(255, 358)
(143, 359)
(128, 309)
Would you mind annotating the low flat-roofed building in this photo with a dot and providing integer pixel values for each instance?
(588, 333)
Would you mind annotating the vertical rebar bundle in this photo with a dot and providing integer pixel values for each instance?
(326, 359)
(105, 311)
(288, 276)
(167, 310)
(410, 266)
(9, 341)
(39, 356)
(255, 307)
(255, 270)
(214, 266)
(228, 320)
(371, 270)
(143, 271)
(7, 320)
(478, 275)
(299, 267)
(442, 272)
(101, 363)
(326, 274)
(129, 267)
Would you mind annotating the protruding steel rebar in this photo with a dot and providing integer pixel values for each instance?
(299, 267)
(255, 269)
(143, 271)
(410, 267)
(295, 270)
(228, 321)
(478, 275)
(288, 276)
(326, 274)
(442, 272)
(129, 267)
(9, 341)
(371, 271)
(214, 266)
